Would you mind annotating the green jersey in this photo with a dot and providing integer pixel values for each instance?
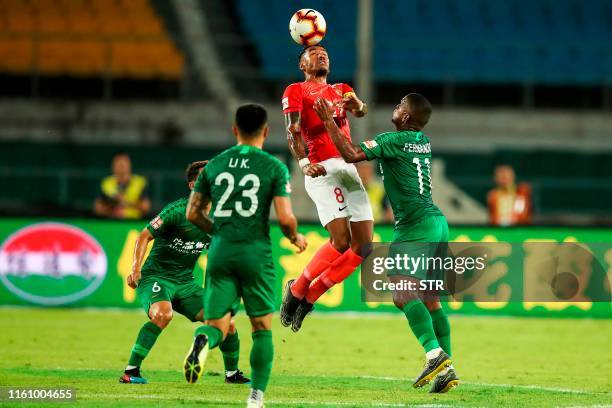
(241, 183)
(405, 159)
(177, 246)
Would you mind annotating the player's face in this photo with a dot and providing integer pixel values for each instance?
(401, 115)
(315, 61)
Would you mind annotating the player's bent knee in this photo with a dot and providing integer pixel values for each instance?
(261, 322)
(363, 249)
(399, 303)
(161, 318)
(341, 244)
(403, 297)
(432, 305)
(223, 323)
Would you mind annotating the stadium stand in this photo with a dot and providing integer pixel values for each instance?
(468, 41)
(123, 38)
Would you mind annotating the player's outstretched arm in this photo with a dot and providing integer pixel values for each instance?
(297, 148)
(139, 253)
(288, 222)
(197, 211)
(350, 153)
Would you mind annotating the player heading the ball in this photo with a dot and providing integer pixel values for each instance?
(334, 185)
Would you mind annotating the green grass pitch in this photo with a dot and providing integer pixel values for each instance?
(346, 361)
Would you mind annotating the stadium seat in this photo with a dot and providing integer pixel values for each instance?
(15, 54)
(482, 41)
(73, 37)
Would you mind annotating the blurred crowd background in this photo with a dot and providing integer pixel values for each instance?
(104, 102)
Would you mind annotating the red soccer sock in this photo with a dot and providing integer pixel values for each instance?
(338, 271)
(320, 262)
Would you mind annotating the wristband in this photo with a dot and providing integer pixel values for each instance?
(304, 162)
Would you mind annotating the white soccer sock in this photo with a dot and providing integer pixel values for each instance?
(433, 353)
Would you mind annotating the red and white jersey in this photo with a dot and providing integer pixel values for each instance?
(300, 97)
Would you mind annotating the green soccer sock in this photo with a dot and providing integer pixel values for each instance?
(262, 354)
(442, 329)
(231, 350)
(420, 322)
(144, 342)
(215, 336)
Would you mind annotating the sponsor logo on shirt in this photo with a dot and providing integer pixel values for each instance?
(370, 144)
(189, 247)
(156, 222)
(288, 187)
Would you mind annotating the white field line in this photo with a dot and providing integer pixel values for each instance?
(591, 406)
(270, 402)
(525, 387)
(407, 380)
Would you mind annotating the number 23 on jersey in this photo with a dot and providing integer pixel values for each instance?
(246, 206)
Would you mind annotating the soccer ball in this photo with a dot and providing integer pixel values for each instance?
(307, 27)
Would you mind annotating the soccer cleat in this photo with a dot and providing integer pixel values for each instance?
(289, 305)
(194, 362)
(444, 382)
(432, 368)
(300, 314)
(130, 379)
(255, 399)
(237, 378)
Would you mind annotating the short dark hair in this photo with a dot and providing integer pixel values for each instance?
(250, 119)
(121, 153)
(419, 108)
(306, 48)
(193, 169)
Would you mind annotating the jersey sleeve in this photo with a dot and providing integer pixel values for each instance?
(169, 216)
(282, 182)
(347, 89)
(379, 148)
(292, 98)
(202, 185)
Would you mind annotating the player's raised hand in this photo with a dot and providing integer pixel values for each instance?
(300, 242)
(314, 170)
(133, 279)
(351, 102)
(323, 110)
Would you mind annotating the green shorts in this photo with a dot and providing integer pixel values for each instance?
(239, 270)
(427, 240)
(186, 299)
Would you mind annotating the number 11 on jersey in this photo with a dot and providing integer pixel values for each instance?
(419, 168)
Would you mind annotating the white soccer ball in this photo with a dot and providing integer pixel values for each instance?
(307, 27)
